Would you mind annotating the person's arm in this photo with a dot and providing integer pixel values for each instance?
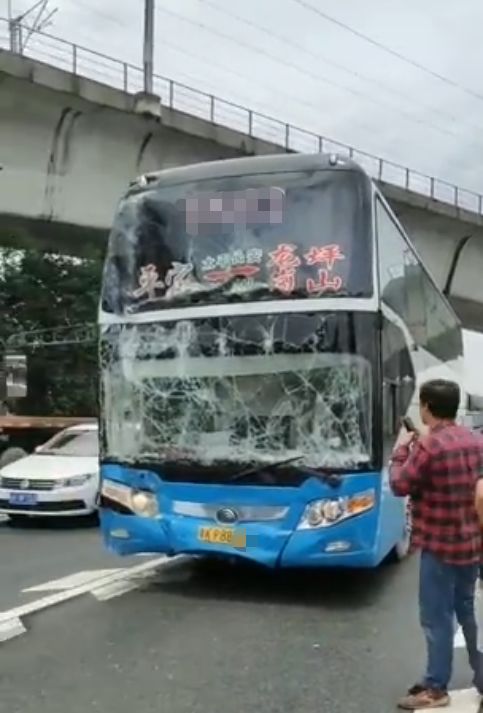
(408, 468)
(479, 491)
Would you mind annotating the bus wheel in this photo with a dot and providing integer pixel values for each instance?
(401, 550)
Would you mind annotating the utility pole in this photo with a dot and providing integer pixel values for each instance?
(146, 102)
(148, 46)
(42, 20)
(15, 30)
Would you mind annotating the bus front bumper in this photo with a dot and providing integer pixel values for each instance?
(349, 544)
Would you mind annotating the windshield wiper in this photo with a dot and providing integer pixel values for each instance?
(262, 467)
(331, 476)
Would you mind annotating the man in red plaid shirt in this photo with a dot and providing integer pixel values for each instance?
(439, 472)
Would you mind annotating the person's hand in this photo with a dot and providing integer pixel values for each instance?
(479, 500)
(406, 438)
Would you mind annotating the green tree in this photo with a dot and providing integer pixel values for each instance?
(43, 291)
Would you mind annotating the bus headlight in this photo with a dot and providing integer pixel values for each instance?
(144, 504)
(140, 502)
(330, 511)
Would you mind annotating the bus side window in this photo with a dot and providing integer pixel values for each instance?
(400, 275)
(398, 380)
(444, 337)
(407, 288)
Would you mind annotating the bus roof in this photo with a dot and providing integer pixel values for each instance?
(246, 165)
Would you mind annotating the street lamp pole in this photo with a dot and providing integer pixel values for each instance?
(146, 102)
(148, 46)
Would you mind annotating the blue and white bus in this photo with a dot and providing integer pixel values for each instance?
(264, 325)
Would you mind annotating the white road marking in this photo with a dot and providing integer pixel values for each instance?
(72, 580)
(60, 597)
(11, 628)
(114, 589)
(133, 581)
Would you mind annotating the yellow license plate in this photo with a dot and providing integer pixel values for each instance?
(222, 536)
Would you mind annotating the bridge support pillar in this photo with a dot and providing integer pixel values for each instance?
(147, 105)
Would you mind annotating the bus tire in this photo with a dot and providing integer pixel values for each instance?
(11, 455)
(401, 550)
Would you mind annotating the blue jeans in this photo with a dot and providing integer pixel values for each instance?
(446, 590)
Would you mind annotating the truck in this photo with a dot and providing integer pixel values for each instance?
(20, 434)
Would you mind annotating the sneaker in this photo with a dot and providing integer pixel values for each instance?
(417, 688)
(420, 698)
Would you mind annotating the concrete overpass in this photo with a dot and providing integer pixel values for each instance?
(70, 145)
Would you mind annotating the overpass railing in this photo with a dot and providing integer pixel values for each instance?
(122, 75)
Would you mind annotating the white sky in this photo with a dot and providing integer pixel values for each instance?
(474, 356)
(318, 75)
(283, 59)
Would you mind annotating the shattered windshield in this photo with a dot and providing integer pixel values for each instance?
(268, 236)
(223, 393)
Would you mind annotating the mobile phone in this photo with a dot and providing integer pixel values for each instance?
(409, 425)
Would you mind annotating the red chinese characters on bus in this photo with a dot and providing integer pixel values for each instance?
(326, 256)
(222, 276)
(284, 263)
(148, 282)
(324, 283)
(226, 266)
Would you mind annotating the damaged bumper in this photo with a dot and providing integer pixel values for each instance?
(275, 527)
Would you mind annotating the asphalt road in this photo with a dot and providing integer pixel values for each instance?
(40, 551)
(194, 637)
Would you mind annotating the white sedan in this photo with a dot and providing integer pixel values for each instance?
(60, 479)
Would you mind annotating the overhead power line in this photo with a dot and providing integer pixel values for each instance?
(389, 50)
(249, 80)
(288, 41)
(307, 73)
(410, 116)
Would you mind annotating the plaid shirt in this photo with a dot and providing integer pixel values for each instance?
(439, 472)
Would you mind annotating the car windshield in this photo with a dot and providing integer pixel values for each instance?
(223, 393)
(72, 443)
(240, 238)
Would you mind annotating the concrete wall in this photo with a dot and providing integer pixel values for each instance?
(68, 159)
(70, 146)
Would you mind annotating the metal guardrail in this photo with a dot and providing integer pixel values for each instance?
(83, 333)
(114, 72)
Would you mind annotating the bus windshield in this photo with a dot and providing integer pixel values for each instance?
(264, 237)
(204, 398)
